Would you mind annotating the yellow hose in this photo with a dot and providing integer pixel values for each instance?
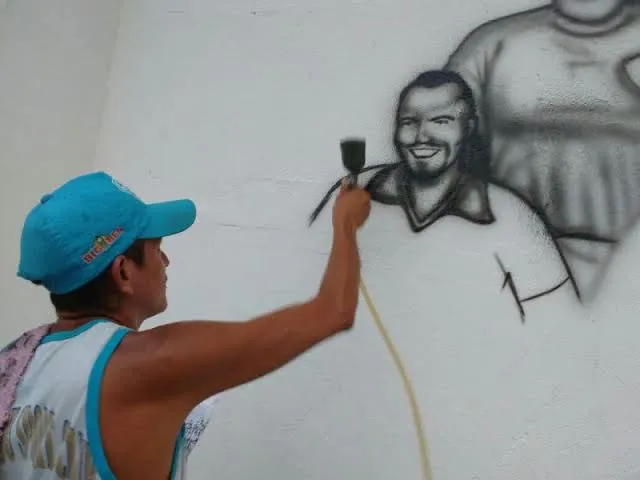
(417, 421)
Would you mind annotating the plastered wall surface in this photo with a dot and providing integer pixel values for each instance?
(241, 105)
(54, 63)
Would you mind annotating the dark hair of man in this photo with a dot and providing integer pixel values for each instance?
(99, 294)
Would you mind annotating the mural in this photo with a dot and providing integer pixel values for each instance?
(533, 122)
(562, 127)
(442, 170)
(559, 133)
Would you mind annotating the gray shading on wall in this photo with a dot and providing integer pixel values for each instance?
(441, 172)
(558, 96)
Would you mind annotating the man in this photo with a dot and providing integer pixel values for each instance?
(441, 173)
(558, 88)
(102, 399)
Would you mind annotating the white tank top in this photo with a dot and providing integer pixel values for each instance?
(54, 430)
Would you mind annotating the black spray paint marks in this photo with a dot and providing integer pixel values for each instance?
(513, 289)
(441, 168)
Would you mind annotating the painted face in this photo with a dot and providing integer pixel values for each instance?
(431, 126)
(589, 11)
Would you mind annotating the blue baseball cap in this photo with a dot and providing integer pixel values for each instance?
(76, 231)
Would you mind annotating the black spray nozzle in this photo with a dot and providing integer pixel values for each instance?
(353, 156)
(353, 159)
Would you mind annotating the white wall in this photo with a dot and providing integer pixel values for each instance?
(54, 58)
(240, 105)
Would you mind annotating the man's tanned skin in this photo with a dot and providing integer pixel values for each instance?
(157, 376)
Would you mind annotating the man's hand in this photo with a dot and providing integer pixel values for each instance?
(351, 208)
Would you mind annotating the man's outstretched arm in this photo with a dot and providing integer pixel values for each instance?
(183, 363)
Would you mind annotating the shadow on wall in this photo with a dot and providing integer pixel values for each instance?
(557, 137)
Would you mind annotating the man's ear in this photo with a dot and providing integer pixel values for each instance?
(472, 123)
(121, 274)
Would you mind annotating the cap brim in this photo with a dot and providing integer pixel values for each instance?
(169, 218)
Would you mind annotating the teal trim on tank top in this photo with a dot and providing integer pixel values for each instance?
(66, 335)
(92, 411)
(176, 452)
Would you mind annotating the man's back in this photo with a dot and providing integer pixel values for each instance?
(131, 395)
(55, 429)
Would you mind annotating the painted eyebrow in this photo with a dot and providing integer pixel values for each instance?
(442, 117)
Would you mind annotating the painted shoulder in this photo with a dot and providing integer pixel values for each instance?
(507, 204)
(494, 31)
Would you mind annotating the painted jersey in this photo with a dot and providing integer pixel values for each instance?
(54, 430)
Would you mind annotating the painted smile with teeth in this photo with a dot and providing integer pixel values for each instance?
(424, 152)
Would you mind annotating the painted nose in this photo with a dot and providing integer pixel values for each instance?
(423, 133)
(165, 259)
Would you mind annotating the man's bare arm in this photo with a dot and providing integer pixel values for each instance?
(186, 362)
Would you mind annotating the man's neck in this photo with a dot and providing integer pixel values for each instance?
(70, 321)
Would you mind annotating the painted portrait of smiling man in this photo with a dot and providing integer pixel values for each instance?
(440, 155)
(440, 177)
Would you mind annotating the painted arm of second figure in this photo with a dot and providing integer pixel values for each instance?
(530, 264)
(510, 283)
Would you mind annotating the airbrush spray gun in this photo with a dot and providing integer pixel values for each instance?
(353, 159)
(353, 151)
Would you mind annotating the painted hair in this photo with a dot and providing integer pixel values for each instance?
(438, 78)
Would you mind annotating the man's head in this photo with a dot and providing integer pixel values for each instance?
(435, 116)
(95, 246)
(589, 11)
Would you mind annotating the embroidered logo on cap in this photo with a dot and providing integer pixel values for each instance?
(102, 244)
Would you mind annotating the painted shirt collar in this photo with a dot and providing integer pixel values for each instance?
(469, 199)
